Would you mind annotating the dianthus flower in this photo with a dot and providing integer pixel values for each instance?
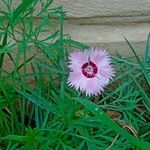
(90, 70)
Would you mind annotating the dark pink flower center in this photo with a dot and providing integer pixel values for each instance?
(89, 69)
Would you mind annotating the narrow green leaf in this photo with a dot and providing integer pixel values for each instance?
(100, 114)
(146, 99)
(16, 138)
(147, 51)
(137, 57)
(2, 55)
(21, 9)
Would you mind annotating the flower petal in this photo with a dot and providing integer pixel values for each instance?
(75, 78)
(91, 86)
(105, 74)
(77, 59)
(100, 57)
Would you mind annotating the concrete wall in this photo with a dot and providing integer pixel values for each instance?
(104, 22)
(105, 8)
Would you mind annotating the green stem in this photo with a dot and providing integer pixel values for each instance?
(2, 55)
(62, 53)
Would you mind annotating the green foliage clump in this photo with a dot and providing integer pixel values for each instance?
(37, 108)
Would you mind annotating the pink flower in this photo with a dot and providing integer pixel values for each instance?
(90, 70)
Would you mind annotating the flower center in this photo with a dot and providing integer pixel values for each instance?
(89, 69)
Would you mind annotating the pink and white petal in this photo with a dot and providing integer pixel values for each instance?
(105, 74)
(75, 67)
(77, 59)
(100, 57)
(108, 71)
(103, 80)
(91, 86)
(103, 62)
(75, 78)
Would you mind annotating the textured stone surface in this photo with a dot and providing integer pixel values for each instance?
(102, 8)
(105, 22)
(110, 36)
(108, 33)
(105, 8)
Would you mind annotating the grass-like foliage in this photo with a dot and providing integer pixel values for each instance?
(39, 111)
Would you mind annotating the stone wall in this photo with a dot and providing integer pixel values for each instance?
(104, 22)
